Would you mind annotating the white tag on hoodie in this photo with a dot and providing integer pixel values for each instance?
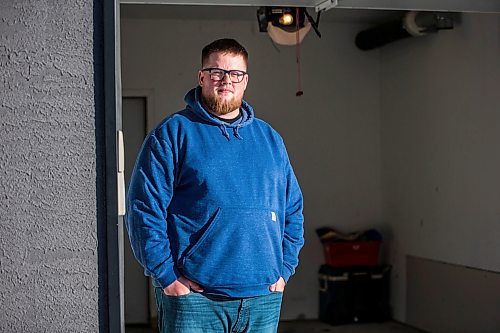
(273, 216)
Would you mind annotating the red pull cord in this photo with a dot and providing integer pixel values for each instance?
(297, 53)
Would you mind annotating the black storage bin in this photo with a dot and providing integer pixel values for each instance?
(354, 294)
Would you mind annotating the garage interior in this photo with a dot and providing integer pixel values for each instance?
(402, 138)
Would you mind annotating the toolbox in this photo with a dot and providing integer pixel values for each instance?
(354, 294)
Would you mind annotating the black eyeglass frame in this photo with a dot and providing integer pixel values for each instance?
(228, 72)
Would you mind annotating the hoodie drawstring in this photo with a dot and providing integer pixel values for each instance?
(224, 131)
(226, 134)
(236, 133)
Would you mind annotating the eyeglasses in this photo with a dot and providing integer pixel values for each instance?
(217, 74)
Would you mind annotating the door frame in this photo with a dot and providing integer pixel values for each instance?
(148, 95)
(111, 288)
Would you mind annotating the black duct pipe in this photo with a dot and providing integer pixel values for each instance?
(413, 24)
(379, 36)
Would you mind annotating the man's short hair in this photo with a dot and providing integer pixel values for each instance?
(224, 45)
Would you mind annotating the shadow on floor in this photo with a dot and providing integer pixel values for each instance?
(316, 326)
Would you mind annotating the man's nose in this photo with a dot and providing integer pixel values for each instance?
(226, 79)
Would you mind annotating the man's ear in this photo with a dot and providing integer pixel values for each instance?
(245, 81)
(200, 78)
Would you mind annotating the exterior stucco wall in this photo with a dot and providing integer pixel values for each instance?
(48, 224)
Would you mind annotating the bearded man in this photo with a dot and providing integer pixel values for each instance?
(214, 208)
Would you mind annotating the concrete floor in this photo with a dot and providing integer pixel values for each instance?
(316, 326)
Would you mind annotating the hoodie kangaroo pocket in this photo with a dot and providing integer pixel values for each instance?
(241, 246)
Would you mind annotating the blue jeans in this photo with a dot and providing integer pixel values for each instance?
(198, 313)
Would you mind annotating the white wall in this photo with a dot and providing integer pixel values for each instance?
(440, 145)
(332, 132)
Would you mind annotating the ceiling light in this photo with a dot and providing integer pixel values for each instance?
(286, 19)
(283, 24)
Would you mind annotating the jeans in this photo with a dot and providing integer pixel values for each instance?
(198, 313)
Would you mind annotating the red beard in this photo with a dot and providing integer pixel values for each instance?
(219, 106)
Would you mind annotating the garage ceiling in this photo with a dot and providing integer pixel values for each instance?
(242, 13)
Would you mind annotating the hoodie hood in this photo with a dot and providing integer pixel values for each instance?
(193, 101)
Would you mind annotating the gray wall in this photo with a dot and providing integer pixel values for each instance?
(440, 150)
(332, 132)
(443, 298)
(48, 243)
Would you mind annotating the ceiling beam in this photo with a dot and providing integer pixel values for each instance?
(473, 6)
(253, 3)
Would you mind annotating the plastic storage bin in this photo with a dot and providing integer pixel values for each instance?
(352, 253)
(354, 294)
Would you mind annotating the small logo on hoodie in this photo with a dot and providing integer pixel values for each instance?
(273, 216)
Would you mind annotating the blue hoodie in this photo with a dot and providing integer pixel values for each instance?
(216, 202)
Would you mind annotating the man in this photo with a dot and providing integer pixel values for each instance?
(214, 208)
